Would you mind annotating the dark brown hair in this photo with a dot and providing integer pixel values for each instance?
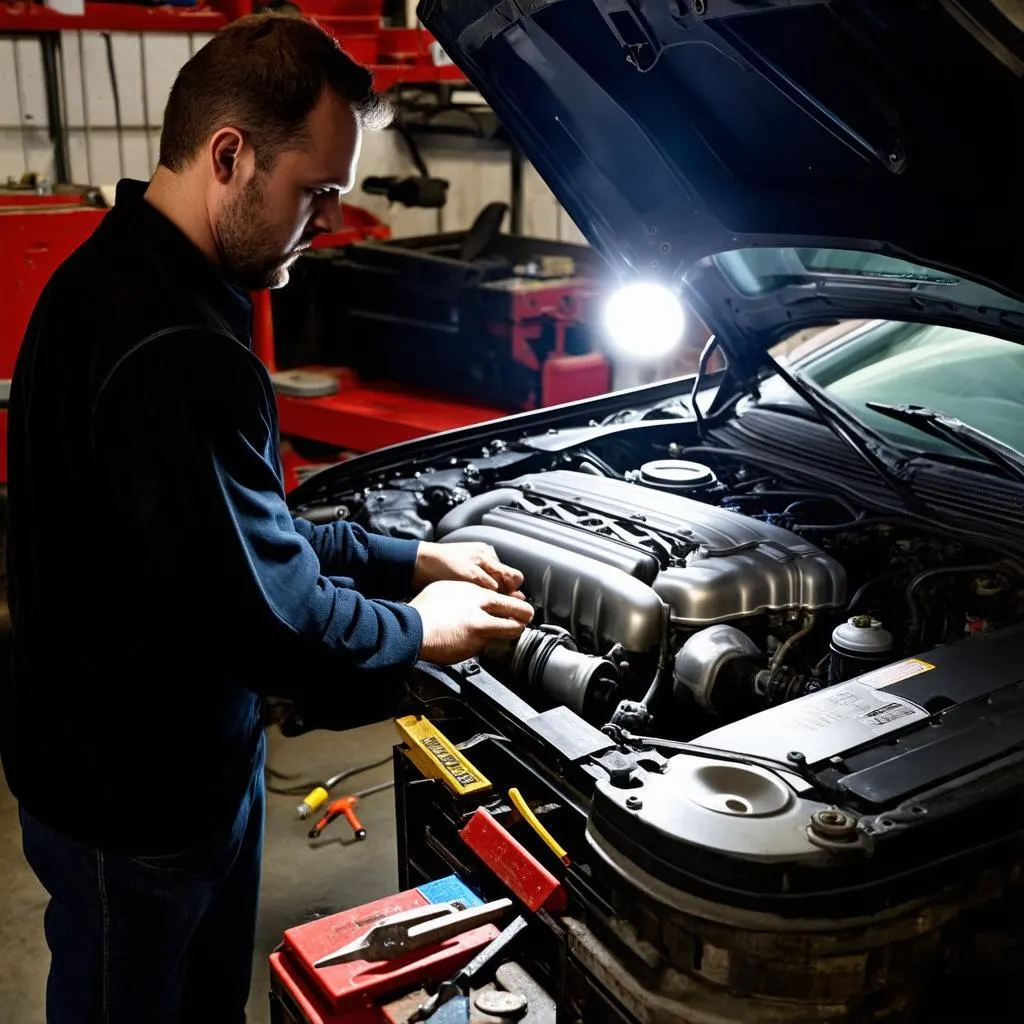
(263, 74)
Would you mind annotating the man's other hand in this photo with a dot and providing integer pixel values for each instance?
(472, 562)
(460, 619)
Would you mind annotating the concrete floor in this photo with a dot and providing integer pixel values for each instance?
(302, 879)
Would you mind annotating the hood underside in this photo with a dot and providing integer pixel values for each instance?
(672, 130)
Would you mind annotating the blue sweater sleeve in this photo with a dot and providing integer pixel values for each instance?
(200, 490)
(377, 566)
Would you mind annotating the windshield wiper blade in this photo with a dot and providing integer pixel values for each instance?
(883, 458)
(949, 428)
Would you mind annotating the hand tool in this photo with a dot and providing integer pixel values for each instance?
(410, 930)
(512, 863)
(346, 806)
(531, 819)
(456, 988)
(438, 758)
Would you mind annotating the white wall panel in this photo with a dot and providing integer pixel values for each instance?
(476, 180)
(24, 141)
(145, 67)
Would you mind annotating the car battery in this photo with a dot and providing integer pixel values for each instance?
(361, 992)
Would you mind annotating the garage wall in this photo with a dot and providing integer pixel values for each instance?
(145, 66)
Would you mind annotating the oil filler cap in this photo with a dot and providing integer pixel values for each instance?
(677, 476)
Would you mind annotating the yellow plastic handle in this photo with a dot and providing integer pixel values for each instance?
(532, 820)
(316, 799)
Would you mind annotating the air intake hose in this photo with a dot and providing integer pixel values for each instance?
(546, 663)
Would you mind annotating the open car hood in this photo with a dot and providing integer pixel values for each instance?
(675, 130)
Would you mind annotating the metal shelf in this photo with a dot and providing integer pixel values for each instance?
(24, 17)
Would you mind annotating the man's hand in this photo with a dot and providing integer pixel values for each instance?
(472, 561)
(460, 619)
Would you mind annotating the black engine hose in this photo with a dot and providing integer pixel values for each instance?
(874, 581)
(853, 524)
(595, 460)
(803, 495)
(663, 672)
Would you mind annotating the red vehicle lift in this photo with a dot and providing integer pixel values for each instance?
(395, 55)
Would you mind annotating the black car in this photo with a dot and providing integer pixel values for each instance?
(783, 601)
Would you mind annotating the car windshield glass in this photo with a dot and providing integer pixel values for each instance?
(974, 377)
(755, 272)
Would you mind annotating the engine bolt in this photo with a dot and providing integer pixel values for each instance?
(835, 825)
(634, 803)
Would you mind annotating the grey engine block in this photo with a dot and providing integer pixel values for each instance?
(609, 560)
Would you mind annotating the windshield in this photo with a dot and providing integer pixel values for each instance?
(974, 377)
(758, 272)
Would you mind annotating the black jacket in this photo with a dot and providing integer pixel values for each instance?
(159, 584)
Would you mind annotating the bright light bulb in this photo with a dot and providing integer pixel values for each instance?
(644, 320)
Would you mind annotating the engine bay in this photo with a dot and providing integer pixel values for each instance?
(780, 732)
(681, 595)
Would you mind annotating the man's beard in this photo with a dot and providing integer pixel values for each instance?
(250, 256)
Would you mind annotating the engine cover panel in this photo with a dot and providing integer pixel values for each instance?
(706, 563)
(593, 600)
(918, 784)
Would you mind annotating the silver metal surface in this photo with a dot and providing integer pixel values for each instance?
(501, 1004)
(820, 725)
(711, 565)
(741, 790)
(599, 604)
(414, 929)
(541, 1008)
(702, 656)
(768, 578)
(724, 807)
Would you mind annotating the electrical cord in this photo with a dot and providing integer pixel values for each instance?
(804, 496)
(302, 788)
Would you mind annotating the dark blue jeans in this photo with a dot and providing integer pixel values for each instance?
(157, 940)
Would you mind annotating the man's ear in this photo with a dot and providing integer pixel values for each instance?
(225, 147)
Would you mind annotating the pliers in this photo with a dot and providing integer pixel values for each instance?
(410, 930)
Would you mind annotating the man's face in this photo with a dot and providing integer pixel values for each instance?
(271, 216)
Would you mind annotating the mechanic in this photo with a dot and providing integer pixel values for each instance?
(160, 587)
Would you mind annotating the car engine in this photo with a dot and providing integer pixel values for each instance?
(782, 735)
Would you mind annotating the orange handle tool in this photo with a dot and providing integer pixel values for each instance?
(337, 808)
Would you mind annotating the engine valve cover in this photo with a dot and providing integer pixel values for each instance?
(706, 564)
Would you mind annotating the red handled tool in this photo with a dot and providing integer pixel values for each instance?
(346, 807)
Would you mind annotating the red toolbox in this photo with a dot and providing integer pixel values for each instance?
(357, 992)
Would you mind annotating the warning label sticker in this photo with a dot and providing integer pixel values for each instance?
(820, 725)
(887, 713)
(895, 673)
(830, 707)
